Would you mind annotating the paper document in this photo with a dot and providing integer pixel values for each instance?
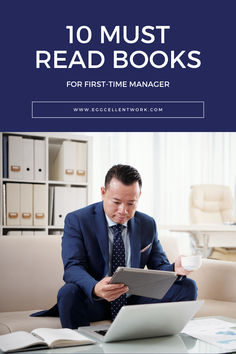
(217, 332)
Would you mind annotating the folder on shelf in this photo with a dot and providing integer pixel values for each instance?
(26, 204)
(28, 159)
(39, 160)
(15, 157)
(40, 233)
(81, 162)
(51, 205)
(13, 204)
(59, 206)
(40, 205)
(75, 198)
(14, 233)
(67, 199)
(81, 197)
(4, 214)
(5, 156)
(56, 232)
(64, 168)
(27, 233)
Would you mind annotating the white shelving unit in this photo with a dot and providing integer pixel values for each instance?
(53, 142)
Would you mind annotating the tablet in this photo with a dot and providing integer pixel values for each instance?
(144, 282)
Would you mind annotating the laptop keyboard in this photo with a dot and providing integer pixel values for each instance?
(102, 332)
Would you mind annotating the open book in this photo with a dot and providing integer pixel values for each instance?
(42, 338)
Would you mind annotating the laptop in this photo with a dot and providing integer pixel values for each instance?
(145, 321)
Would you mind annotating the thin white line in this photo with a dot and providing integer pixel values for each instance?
(118, 101)
(93, 117)
(118, 117)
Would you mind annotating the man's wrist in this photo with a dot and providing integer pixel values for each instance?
(94, 296)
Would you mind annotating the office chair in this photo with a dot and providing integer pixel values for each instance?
(211, 204)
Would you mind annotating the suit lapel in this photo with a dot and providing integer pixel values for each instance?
(102, 234)
(135, 242)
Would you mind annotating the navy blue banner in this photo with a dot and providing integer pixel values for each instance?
(137, 66)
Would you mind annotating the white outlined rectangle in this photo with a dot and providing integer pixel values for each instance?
(116, 102)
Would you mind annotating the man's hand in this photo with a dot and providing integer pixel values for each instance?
(179, 270)
(108, 291)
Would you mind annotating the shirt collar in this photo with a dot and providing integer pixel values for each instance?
(112, 223)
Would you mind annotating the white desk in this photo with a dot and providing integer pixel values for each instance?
(207, 235)
(181, 343)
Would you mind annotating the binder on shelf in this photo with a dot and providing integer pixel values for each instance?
(39, 160)
(4, 213)
(75, 198)
(51, 205)
(13, 204)
(67, 199)
(14, 233)
(64, 168)
(28, 159)
(26, 204)
(70, 200)
(27, 233)
(81, 162)
(59, 206)
(40, 205)
(5, 156)
(40, 233)
(57, 233)
(15, 156)
(81, 197)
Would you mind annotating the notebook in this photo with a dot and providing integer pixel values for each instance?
(41, 338)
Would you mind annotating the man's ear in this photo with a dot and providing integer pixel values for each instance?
(103, 191)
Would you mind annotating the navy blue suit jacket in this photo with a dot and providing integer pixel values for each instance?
(85, 246)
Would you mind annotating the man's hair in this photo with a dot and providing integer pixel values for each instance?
(124, 173)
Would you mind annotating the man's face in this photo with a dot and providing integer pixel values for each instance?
(120, 201)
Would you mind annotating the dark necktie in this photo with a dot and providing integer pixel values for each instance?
(118, 260)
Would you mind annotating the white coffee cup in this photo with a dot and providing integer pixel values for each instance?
(191, 262)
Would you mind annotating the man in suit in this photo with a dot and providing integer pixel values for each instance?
(88, 252)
